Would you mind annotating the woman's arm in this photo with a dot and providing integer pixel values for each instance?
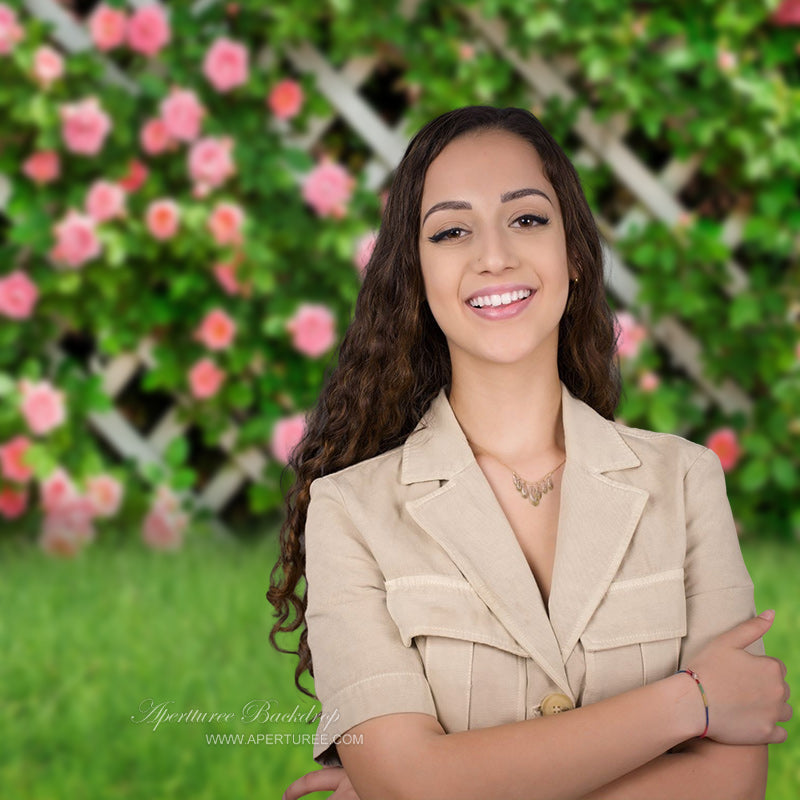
(704, 770)
(572, 754)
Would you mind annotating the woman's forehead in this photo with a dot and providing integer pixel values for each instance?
(487, 162)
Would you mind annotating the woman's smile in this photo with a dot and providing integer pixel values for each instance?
(500, 302)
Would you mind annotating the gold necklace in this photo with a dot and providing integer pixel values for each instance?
(530, 490)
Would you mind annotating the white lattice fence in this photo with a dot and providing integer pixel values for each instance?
(653, 196)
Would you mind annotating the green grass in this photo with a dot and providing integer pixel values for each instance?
(84, 643)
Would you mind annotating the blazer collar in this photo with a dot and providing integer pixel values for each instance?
(598, 515)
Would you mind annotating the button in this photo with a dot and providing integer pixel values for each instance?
(555, 704)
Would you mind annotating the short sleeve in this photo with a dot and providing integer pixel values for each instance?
(719, 591)
(362, 669)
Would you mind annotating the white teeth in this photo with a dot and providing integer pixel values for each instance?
(499, 299)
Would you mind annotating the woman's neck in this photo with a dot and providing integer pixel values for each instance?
(514, 416)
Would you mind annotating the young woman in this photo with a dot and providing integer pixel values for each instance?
(502, 582)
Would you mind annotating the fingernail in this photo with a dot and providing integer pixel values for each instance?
(769, 614)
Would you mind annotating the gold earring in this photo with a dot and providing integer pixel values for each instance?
(571, 295)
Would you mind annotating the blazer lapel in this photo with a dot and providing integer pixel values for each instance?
(597, 518)
(466, 520)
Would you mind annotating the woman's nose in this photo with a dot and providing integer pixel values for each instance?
(495, 252)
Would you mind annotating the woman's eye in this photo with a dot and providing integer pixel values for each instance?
(531, 220)
(450, 233)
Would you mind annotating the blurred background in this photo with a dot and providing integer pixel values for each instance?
(189, 194)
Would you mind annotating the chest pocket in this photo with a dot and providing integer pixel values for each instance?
(634, 636)
(475, 668)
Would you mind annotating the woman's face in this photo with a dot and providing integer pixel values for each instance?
(492, 235)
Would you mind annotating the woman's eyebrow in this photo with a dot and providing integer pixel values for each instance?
(455, 205)
(517, 193)
(462, 205)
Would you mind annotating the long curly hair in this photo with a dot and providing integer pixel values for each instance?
(394, 359)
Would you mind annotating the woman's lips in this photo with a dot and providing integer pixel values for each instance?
(503, 312)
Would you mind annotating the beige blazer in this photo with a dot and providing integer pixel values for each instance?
(421, 599)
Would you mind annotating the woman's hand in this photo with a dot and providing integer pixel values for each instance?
(747, 694)
(327, 779)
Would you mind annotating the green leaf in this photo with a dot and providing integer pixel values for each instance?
(7, 384)
(754, 475)
(240, 395)
(745, 310)
(41, 460)
(183, 479)
(784, 472)
(176, 452)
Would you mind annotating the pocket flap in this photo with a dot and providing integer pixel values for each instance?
(435, 605)
(644, 609)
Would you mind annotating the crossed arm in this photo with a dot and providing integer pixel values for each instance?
(702, 770)
(613, 749)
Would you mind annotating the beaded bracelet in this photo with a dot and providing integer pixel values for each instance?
(696, 678)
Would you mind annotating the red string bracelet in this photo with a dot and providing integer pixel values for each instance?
(696, 678)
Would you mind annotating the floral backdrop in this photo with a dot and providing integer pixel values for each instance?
(178, 205)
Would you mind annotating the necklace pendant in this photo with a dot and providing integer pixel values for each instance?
(533, 491)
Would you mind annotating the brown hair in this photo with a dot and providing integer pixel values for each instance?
(393, 359)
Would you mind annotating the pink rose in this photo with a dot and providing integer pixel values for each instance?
(148, 30)
(649, 382)
(84, 126)
(76, 240)
(57, 490)
(225, 223)
(225, 274)
(286, 435)
(105, 201)
(630, 335)
(154, 137)
(364, 249)
(163, 529)
(466, 51)
(787, 14)
(43, 167)
(327, 189)
(137, 174)
(48, 65)
(42, 406)
(105, 495)
(67, 526)
(108, 27)
(226, 65)
(73, 515)
(12, 459)
(313, 329)
(13, 502)
(286, 99)
(205, 378)
(10, 31)
(18, 295)
(725, 443)
(163, 218)
(182, 114)
(59, 541)
(210, 162)
(726, 60)
(166, 499)
(217, 330)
